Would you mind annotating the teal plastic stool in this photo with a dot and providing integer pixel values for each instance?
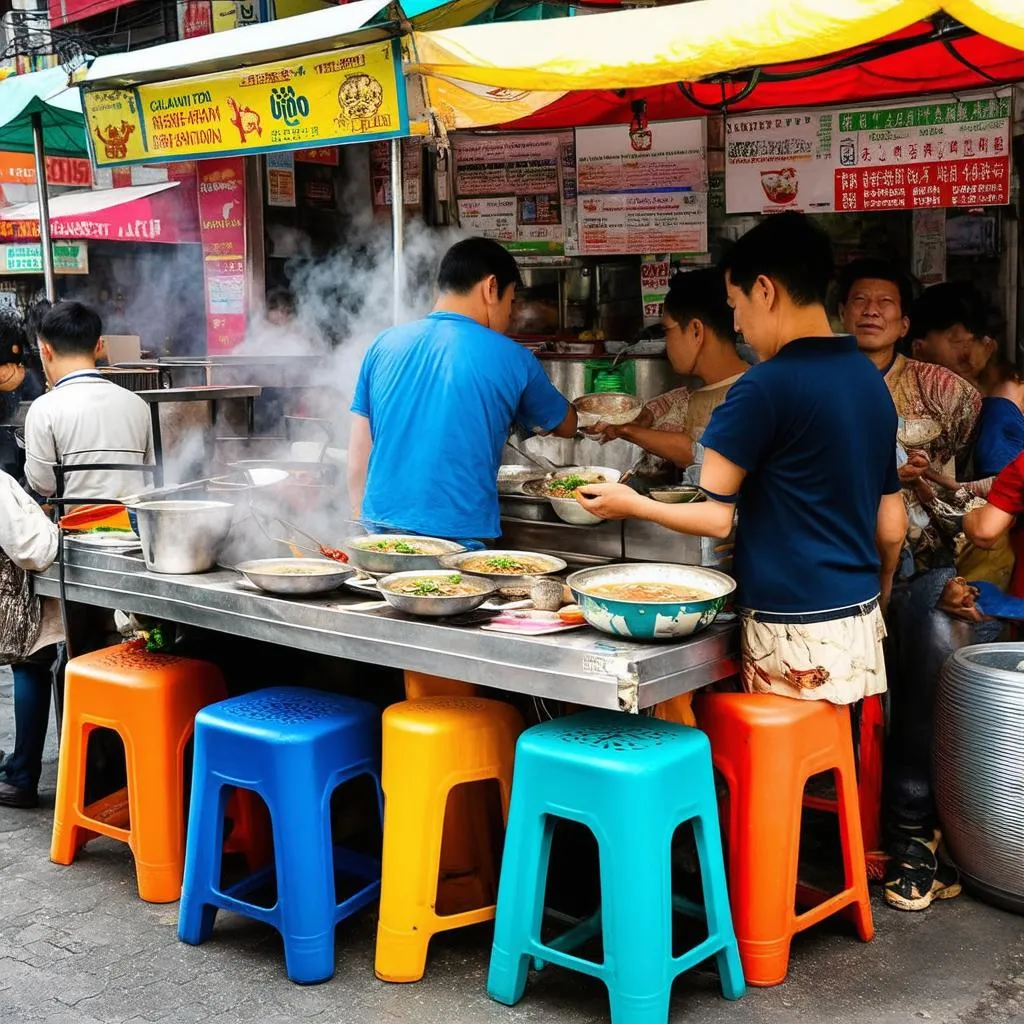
(632, 781)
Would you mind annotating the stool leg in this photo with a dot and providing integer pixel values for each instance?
(202, 855)
(637, 916)
(305, 879)
(854, 860)
(524, 872)
(413, 839)
(708, 836)
(157, 810)
(68, 836)
(763, 875)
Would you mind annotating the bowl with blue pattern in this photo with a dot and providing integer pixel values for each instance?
(651, 600)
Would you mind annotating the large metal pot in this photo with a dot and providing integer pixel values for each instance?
(978, 759)
(182, 537)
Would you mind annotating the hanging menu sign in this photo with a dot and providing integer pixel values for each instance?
(940, 153)
(412, 173)
(509, 188)
(642, 189)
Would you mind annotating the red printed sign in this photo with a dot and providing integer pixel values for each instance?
(222, 228)
(20, 169)
(983, 182)
(195, 18)
(327, 155)
(63, 12)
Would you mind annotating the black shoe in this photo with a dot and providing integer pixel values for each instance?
(11, 796)
(917, 875)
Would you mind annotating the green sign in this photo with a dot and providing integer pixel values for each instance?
(68, 258)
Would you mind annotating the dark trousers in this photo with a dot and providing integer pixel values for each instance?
(920, 640)
(33, 681)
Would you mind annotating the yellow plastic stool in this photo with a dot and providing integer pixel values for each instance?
(419, 684)
(432, 745)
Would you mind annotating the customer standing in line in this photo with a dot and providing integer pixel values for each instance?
(804, 447)
(28, 634)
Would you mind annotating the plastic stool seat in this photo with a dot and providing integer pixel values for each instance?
(440, 865)
(293, 747)
(150, 701)
(767, 747)
(631, 781)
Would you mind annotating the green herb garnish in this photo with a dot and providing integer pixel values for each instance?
(568, 484)
(399, 547)
(432, 587)
(503, 562)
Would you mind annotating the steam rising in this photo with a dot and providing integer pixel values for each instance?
(343, 301)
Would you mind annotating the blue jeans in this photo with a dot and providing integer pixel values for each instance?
(32, 687)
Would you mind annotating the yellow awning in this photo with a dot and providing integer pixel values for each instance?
(685, 42)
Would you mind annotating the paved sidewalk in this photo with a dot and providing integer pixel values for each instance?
(78, 946)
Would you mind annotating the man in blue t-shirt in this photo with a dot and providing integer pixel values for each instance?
(805, 447)
(435, 402)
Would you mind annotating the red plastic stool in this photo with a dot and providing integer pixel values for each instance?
(767, 747)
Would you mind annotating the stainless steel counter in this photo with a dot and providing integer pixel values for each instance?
(582, 666)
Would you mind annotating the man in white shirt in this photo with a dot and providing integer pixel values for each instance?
(85, 419)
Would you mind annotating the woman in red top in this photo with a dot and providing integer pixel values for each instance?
(984, 526)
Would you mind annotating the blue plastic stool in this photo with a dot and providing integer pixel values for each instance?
(632, 781)
(293, 747)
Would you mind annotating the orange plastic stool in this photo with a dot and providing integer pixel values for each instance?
(767, 747)
(431, 746)
(150, 701)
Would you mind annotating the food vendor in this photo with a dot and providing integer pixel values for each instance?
(435, 402)
(700, 342)
(804, 447)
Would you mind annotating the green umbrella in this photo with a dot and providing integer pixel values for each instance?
(39, 114)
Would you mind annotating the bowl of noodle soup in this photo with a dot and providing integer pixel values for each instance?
(651, 600)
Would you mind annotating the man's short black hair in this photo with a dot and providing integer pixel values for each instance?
(12, 338)
(280, 299)
(700, 295)
(468, 262)
(790, 249)
(71, 329)
(873, 269)
(943, 306)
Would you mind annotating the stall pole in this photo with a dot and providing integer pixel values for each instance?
(397, 227)
(44, 207)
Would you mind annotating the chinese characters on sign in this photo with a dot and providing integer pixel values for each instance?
(412, 172)
(280, 179)
(941, 153)
(222, 228)
(353, 95)
(68, 258)
(510, 188)
(642, 191)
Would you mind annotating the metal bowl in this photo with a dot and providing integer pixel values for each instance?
(682, 494)
(436, 607)
(613, 407)
(389, 561)
(182, 537)
(528, 507)
(318, 582)
(651, 620)
(504, 580)
(512, 478)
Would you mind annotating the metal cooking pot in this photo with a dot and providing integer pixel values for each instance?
(978, 753)
(182, 537)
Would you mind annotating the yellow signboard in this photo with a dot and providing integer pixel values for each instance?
(353, 95)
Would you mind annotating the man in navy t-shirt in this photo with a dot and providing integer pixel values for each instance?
(805, 447)
(435, 402)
